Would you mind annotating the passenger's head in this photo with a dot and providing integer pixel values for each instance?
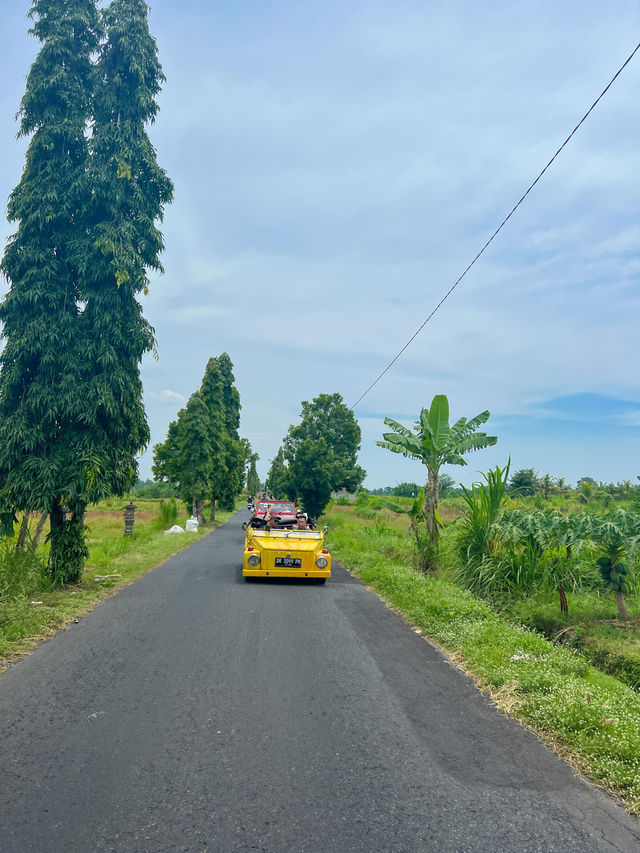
(274, 522)
(302, 521)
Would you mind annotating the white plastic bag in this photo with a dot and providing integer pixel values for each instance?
(191, 525)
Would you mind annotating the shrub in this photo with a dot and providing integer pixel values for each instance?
(482, 505)
(168, 513)
(22, 573)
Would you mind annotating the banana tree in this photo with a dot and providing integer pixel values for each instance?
(435, 443)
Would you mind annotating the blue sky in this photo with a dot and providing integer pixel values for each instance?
(338, 164)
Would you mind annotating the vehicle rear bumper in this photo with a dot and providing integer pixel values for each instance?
(285, 573)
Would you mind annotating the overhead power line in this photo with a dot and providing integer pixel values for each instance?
(501, 226)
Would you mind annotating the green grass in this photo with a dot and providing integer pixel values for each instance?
(588, 716)
(30, 610)
(591, 628)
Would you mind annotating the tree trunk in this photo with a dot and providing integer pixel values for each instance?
(564, 607)
(200, 512)
(38, 531)
(212, 513)
(194, 508)
(56, 557)
(22, 534)
(56, 516)
(77, 551)
(68, 552)
(622, 606)
(431, 504)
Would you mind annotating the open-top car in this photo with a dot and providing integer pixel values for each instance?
(284, 510)
(285, 554)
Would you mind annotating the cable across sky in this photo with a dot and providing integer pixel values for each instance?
(500, 227)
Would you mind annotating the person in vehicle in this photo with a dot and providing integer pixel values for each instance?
(303, 522)
(271, 521)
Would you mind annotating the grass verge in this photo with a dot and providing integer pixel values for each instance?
(590, 718)
(592, 628)
(114, 561)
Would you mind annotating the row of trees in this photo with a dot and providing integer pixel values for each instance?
(446, 487)
(318, 455)
(526, 482)
(203, 457)
(72, 419)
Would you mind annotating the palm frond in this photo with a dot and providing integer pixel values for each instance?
(476, 441)
(438, 421)
(482, 418)
(397, 427)
(408, 446)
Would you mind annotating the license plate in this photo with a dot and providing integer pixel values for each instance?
(288, 562)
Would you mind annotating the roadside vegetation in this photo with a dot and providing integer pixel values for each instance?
(32, 605)
(318, 456)
(531, 586)
(86, 212)
(203, 457)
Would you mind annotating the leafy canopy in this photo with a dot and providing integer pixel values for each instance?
(435, 442)
(205, 435)
(310, 472)
(327, 417)
(278, 480)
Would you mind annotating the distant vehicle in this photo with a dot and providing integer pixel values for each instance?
(285, 510)
(285, 554)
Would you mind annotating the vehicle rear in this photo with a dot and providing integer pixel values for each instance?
(285, 510)
(286, 554)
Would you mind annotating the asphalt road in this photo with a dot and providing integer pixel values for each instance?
(195, 712)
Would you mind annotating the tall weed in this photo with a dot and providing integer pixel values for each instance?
(476, 539)
(168, 514)
(23, 575)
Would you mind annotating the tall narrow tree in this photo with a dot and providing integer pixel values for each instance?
(233, 452)
(278, 480)
(184, 458)
(43, 465)
(166, 460)
(253, 481)
(195, 454)
(212, 392)
(129, 194)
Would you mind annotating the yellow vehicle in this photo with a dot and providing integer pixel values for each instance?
(285, 554)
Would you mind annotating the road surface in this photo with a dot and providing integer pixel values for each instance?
(195, 712)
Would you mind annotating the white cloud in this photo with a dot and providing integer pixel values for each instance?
(168, 397)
